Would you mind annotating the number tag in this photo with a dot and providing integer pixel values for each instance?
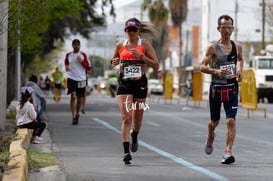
(231, 70)
(132, 71)
(82, 84)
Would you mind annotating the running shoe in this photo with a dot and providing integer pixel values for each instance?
(127, 158)
(75, 120)
(209, 145)
(38, 141)
(134, 144)
(228, 157)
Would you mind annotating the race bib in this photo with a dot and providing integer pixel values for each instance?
(132, 72)
(231, 70)
(82, 84)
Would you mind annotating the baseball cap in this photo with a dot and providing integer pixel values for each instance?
(133, 22)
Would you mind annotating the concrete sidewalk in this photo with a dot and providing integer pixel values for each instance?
(47, 173)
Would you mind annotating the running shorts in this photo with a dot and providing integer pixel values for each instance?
(137, 88)
(76, 86)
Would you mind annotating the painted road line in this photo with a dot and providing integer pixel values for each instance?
(178, 160)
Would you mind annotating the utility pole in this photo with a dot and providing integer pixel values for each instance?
(18, 62)
(3, 57)
(263, 24)
(236, 20)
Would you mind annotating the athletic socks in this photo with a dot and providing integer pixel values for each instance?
(126, 147)
(134, 136)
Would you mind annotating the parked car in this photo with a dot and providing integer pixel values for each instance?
(90, 86)
(103, 84)
(155, 86)
(94, 81)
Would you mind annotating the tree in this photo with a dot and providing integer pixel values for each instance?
(179, 11)
(28, 21)
(38, 25)
(98, 65)
(158, 15)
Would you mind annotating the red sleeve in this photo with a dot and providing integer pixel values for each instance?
(66, 61)
(86, 63)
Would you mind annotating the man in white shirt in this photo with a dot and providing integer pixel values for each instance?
(76, 63)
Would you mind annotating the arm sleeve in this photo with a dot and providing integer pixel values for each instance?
(66, 61)
(86, 63)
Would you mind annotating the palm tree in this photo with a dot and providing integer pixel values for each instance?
(179, 11)
(158, 15)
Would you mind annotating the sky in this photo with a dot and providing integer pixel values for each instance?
(248, 10)
(125, 9)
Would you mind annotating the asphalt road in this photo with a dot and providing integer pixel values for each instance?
(171, 146)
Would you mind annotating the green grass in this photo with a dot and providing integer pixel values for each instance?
(4, 158)
(37, 160)
(11, 115)
(4, 154)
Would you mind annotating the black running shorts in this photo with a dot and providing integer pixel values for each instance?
(137, 88)
(72, 86)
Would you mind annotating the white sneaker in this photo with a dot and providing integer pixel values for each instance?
(39, 140)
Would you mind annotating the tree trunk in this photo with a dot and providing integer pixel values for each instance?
(180, 68)
(3, 59)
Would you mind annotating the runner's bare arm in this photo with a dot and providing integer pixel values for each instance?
(115, 60)
(209, 54)
(240, 62)
(150, 57)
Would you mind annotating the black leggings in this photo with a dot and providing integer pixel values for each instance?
(38, 127)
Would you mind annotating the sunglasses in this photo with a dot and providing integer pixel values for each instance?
(227, 27)
(131, 29)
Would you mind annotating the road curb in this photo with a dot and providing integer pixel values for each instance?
(17, 167)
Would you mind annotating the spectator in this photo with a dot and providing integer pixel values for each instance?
(41, 82)
(38, 96)
(26, 116)
(47, 84)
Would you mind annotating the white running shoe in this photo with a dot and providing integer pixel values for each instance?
(39, 140)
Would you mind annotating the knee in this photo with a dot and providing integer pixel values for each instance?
(126, 121)
(73, 95)
(213, 124)
(230, 122)
(43, 125)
